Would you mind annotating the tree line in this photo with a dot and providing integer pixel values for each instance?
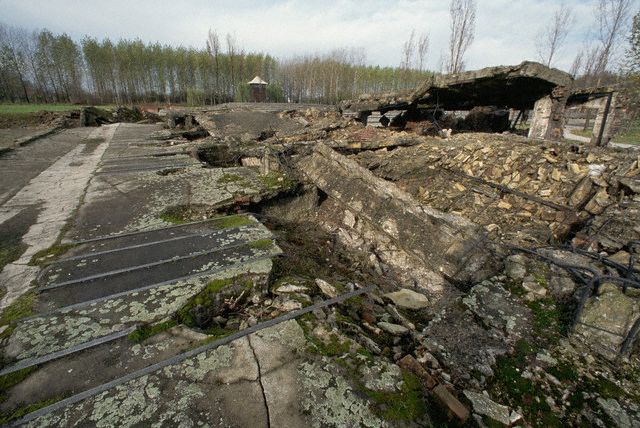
(45, 67)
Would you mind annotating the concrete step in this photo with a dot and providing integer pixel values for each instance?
(145, 237)
(77, 325)
(120, 280)
(89, 265)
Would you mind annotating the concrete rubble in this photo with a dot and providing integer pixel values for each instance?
(300, 265)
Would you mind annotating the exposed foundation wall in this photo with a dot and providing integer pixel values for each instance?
(547, 122)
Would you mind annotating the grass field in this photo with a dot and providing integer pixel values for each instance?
(630, 135)
(32, 108)
(588, 133)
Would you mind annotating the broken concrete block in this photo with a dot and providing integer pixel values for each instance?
(606, 320)
(408, 299)
(455, 247)
(395, 329)
(326, 288)
(451, 403)
(484, 406)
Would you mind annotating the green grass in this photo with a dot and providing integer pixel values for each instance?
(588, 133)
(630, 135)
(32, 108)
(146, 331)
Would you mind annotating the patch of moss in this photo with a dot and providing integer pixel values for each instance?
(50, 254)
(406, 405)
(564, 371)
(204, 298)
(275, 180)
(21, 412)
(261, 244)
(217, 333)
(232, 178)
(22, 307)
(332, 349)
(173, 216)
(232, 221)
(549, 321)
(146, 331)
(509, 387)
(10, 251)
(604, 387)
(9, 380)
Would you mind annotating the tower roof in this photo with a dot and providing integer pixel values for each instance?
(258, 81)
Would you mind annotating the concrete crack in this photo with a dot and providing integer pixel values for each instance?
(264, 396)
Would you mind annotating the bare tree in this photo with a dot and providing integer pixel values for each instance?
(407, 51)
(576, 66)
(232, 48)
(552, 37)
(611, 17)
(422, 50)
(462, 25)
(213, 47)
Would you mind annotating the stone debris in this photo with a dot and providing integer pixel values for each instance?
(607, 319)
(326, 288)
(479, 250)
(394, 329)
(408, 299)
(484, 406)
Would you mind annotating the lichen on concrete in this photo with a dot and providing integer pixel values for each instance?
(329, 398)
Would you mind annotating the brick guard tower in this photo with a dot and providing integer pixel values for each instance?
(258, 90)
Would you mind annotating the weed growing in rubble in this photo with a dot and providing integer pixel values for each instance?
(146, 331)
(50, 254)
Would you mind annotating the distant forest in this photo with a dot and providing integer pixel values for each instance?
(45, 67)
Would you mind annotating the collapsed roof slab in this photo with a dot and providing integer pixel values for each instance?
(516, 86)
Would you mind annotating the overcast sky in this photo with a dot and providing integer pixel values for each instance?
(505, 29)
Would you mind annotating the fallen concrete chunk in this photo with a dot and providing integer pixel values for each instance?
(408, 299)
(326, 288)
(451, 403)
(394, 329)
(484, 406)
(607, 319)
(443, 243)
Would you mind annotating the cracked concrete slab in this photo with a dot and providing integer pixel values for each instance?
(57, 191)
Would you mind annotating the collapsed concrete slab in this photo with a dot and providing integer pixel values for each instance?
(394, 223)
(527, 86)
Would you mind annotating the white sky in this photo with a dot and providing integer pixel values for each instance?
(505, 29)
